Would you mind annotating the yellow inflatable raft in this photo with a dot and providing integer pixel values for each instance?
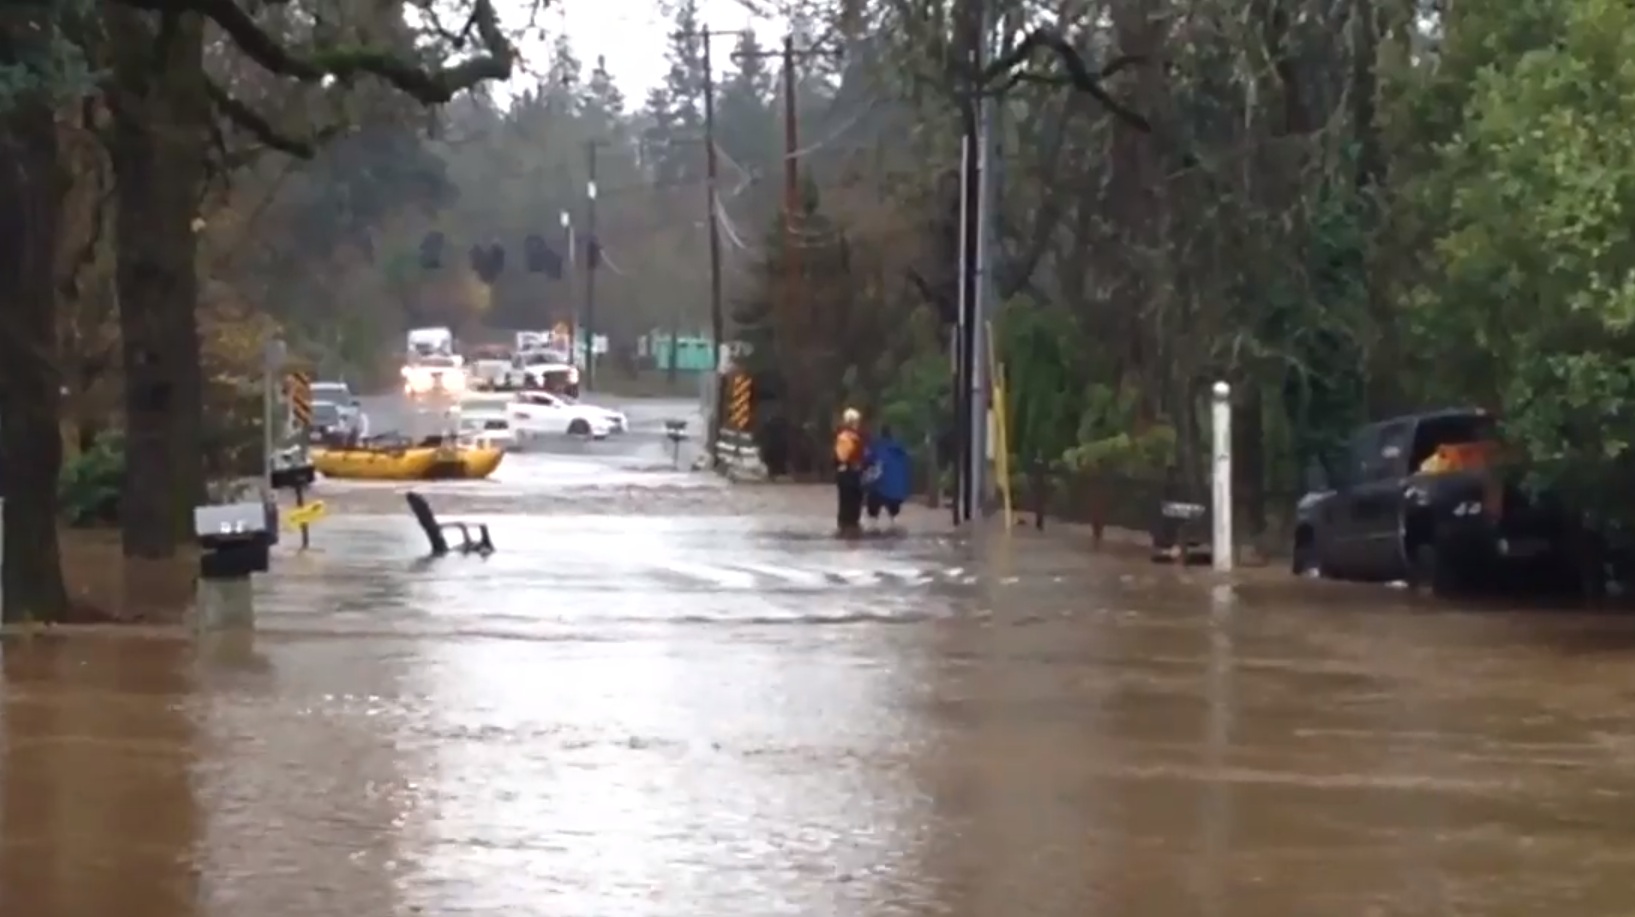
(417, 463)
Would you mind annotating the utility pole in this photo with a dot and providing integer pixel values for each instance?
(717, 320)
(791, 163)
(593, 255)
(712, 200)
(972, 394)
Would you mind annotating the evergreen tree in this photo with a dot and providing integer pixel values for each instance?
(676, 109)
(564, 76)
(745, 124)
(602, 98)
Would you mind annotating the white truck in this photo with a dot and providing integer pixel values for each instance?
(431, 367)
(429, 342)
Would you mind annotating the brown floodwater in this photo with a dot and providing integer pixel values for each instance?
(686, 714)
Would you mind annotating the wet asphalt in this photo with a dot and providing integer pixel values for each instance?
(666, 695)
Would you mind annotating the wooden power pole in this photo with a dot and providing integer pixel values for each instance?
(792, 205)
(712, 217)
(712, 193)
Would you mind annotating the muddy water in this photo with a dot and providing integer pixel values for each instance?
(674, 714)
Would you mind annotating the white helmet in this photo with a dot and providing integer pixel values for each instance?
(851, 416)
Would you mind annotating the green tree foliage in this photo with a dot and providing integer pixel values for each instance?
(1534, 257)
(1345, 211)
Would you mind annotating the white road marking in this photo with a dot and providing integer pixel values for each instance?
(720, 576)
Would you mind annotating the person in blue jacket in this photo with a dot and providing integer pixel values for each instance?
(887, 473)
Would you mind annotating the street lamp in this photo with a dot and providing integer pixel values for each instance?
(566, 220)
(588, 338)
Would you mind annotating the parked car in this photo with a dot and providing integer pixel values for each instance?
(328, 422)
(489, 429)
(545, 414)
(1420, 499)
(347, 406)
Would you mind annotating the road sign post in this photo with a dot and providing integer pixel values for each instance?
(300, 518)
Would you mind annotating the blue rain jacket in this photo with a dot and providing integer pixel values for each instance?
(888, 466)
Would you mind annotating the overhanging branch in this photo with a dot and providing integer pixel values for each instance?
(1006, 71)
(428, 85)
(252, 122)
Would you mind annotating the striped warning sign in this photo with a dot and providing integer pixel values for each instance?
(738, 404)
(298, 386)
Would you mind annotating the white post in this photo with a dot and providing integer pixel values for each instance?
(1220, 547)
(223, 604)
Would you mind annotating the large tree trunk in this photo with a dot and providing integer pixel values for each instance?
(158, 146)
(31, 583)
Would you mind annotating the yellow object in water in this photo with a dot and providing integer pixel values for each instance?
(419, 463)
(306, 515)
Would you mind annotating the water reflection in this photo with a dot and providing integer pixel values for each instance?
(691, 772)
(98, 748)
(314, 765)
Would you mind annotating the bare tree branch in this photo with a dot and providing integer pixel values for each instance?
(252, 122)
(1078, 75)
(431, 86)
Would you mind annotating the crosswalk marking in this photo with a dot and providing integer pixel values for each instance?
(789, 574)
(719, 576)
(737, 576)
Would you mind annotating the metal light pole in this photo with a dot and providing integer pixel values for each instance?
(565, 219)
(592, 253)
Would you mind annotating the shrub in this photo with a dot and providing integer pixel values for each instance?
(89, 486)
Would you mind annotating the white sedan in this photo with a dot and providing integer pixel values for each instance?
(545, 414)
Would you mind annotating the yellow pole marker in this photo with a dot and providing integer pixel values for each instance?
(1001, 424)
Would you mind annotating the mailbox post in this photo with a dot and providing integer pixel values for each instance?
(236, 542)
(676, 430)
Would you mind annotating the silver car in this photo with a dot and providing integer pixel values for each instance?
(339, 394)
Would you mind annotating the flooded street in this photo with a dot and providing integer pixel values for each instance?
(667, 696)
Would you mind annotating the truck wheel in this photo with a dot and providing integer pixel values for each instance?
(579, 427)
(1580, 573)
(1430, 569)
(1306, 560)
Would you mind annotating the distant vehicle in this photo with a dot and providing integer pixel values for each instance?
(489, 373)
(429, 342)
(435, 375)
(328, 421)
(340, 395)
(544, 369)
(533, 340)
(616, 419)
(487, 428)
(537, 413)
(478, 401)
(1415, 498)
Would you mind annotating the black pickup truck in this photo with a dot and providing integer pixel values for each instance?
(1372, 514)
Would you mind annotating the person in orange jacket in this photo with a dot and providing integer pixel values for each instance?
(849, 457)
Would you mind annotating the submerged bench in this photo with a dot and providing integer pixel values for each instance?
(435, 530)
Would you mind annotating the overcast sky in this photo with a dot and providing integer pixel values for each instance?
(632, 35)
